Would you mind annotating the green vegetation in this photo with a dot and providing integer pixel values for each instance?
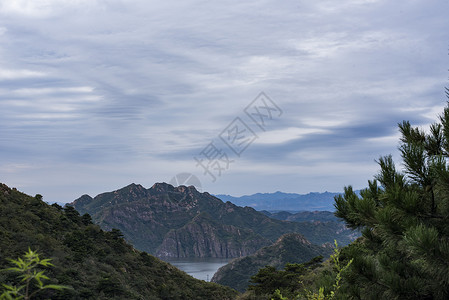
(403, 252)
(151, 219)
(339, 269)
(95, 263)
(271, 283)
(404, 217)
(290, 248)
(31, 280)
(313, 280)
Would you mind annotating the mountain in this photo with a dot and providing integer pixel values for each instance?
(303, 216)
(96, 263)
(181, 222)
(289, 248)
(285, 201)
(204, 237)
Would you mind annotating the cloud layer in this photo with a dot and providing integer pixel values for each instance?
(97, 94)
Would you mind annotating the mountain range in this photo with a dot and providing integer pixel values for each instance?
(302, 216)
(279, 201)
(170, 221)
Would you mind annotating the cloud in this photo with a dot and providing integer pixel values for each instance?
(42, 8)
(19, 74)
(106, 86)
(287, 134)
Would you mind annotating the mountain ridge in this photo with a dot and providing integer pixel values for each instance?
(321, 201)
(158, 220)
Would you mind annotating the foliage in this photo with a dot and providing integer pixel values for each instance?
(290, 248)
(404, 217)
(340, 269)
(97, 264)
(313, 280)
(271, 283)
(278, 296)
(27, 267)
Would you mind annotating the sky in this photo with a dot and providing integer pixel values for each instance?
(243, 96)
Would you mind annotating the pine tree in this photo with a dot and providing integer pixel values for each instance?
(404, 218)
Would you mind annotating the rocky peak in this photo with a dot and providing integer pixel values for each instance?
(162, 187)
(135, 191)
(293, 237)
(184, 196)
(187, 189)
(4, 188)
(83, 200)
(129, 193)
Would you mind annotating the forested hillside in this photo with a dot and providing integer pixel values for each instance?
(289, 248)
(95, 263)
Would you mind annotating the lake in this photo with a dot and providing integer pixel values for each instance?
(200, 268)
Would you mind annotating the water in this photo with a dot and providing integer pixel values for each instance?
(200, 268)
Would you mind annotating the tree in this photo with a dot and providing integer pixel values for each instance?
(71, 213)
(340, 269)
(32, 280)
(116, 234)
(404, 217)
(272, 283)
(86, 219)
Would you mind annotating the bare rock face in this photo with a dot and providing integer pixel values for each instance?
(179, 221)
(170, 221)
(205, 238)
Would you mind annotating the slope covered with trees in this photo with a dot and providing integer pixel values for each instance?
(95, 263)
(289, 248)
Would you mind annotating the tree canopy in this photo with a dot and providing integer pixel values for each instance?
(404, 218)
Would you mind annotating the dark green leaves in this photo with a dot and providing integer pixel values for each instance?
(404, 251)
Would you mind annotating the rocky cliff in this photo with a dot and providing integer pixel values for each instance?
(203, 237)
(181, 222)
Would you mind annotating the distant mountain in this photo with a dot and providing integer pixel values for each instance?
(97, 264)
(321, 219)
(181, 222)
(54, 202)
(289, 248)
(303, 216)
(285, 201)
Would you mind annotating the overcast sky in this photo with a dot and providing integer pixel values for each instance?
(95, 95)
